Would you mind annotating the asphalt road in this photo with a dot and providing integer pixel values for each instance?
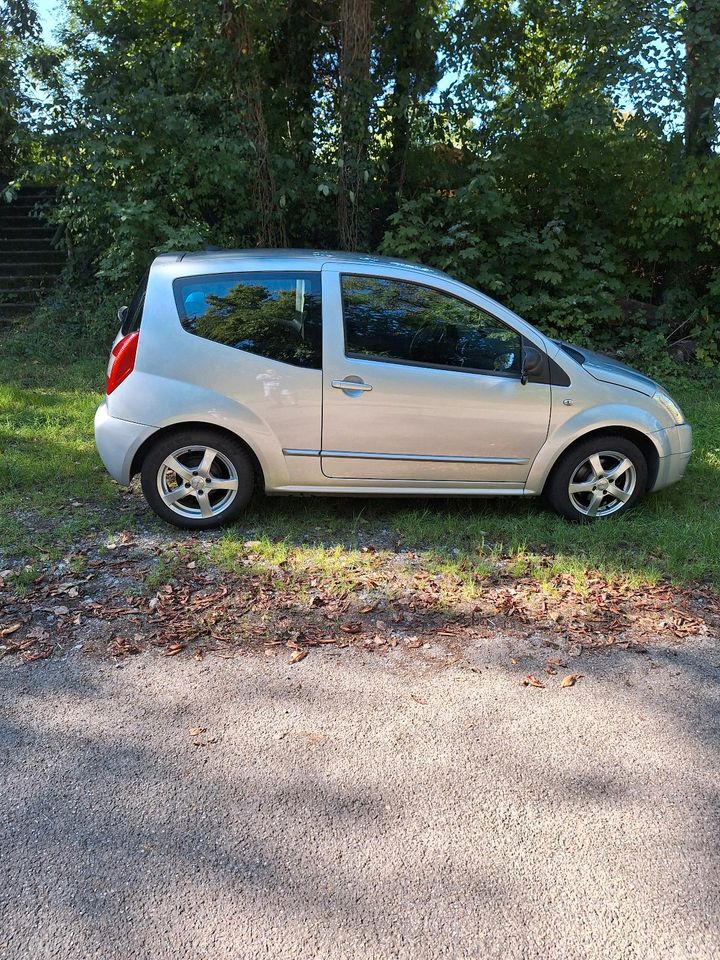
(358, 806)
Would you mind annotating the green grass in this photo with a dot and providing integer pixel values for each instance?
(49, 466)
(54, 492)
(23, 580)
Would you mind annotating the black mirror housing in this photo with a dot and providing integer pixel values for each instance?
(533, 361)
(534, 364)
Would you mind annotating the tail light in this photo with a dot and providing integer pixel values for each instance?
(122, 360)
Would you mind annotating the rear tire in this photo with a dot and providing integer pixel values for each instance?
(597, 478)
(197, 479)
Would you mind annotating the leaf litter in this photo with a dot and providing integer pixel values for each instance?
(389, 601)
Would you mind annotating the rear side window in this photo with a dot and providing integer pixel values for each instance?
(401, 322)
(133, 317)
(273, 315)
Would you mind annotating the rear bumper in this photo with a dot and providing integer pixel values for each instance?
(679, 444)
(118, 441)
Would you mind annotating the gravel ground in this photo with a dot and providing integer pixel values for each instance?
(358, 805)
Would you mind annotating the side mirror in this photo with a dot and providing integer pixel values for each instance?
(122, 315)
(533, 363)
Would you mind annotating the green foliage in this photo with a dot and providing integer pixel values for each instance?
(74, 322)
(530, 229)
(513, 231)
(18, 32)
(549, 170)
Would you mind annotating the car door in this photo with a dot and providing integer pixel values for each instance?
(421, 384)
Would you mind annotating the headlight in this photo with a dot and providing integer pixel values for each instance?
(669, 406)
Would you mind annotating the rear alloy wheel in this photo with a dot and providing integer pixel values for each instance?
(596, 479)
(197, 480)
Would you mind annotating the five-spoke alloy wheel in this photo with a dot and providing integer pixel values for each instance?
(597, 478)
(602, 483)
(197, 479)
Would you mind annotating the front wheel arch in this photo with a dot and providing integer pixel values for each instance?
(185, 425)
(641, 440)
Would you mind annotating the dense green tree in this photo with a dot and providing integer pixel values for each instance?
(245, 71)
(18, 29)
(559, 153)
(410, 43)
(702, 42)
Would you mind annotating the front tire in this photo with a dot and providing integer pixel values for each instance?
(197, 479)
(598, 478)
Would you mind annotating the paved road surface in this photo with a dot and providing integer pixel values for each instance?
(358, 806)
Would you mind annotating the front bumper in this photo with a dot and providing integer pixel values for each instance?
(679, 444)
(118, 441)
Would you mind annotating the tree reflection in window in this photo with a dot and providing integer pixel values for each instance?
(273, 315)
(394, 320)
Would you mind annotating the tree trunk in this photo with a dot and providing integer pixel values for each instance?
(355, 94)
(248, 87)
(702, 64)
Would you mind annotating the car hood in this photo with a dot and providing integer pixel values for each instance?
(609, 370)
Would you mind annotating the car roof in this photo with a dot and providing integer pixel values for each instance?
(314, 258)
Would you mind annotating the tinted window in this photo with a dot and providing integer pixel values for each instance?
(274, 315)
(398, 321)
(133, 317)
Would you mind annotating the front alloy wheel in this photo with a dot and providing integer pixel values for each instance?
(597, 478)
(197, 479)
(602, 484)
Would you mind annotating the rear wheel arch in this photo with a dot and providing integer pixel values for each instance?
(641, 440)
(184, 427)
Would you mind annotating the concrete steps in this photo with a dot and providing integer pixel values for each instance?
(29, 263)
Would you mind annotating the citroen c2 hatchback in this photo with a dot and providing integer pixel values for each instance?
(313, 372)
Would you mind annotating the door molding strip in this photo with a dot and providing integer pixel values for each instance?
(413, 457)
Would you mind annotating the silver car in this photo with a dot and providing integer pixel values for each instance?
(313, 372)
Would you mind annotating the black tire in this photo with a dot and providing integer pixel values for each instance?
(570, 466)
(232, 458)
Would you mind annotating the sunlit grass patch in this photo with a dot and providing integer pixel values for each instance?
(304, 566)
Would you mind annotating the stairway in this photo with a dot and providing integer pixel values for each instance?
(29, 264)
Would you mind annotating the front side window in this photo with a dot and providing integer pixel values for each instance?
(396, 321)
(273, 315)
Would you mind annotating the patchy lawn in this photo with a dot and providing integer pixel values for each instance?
(84, 561)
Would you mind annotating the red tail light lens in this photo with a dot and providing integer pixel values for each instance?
(123, 360)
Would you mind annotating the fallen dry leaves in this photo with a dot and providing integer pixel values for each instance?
(121, 646)
(173, 649)
(391, 602)
(570, 680)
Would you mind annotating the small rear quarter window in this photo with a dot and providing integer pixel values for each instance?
(133, 317)
(273, 315)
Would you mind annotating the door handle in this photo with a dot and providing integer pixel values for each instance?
(351, 385)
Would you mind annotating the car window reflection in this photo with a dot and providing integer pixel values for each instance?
(278, 316)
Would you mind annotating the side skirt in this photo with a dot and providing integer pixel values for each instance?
(375, 489)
